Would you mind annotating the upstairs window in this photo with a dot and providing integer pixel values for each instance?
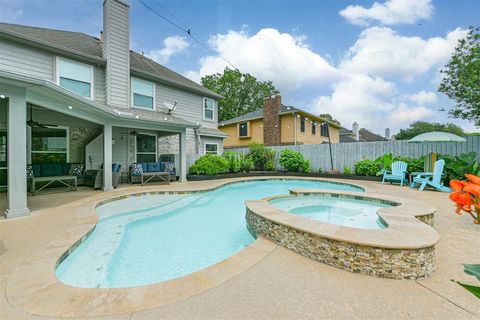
(314, 128)
(143, 94)
(324, 130)
(302, 124)
(208, 109)
(243, 129)
(76, 77)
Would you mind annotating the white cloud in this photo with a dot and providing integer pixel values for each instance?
(268, 55)
(10, 15)
(372, 102)
(390, 12)
(171, 46)
(423, 97)
(380, 51)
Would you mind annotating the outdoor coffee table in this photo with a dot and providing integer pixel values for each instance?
(68, 181)
(165, 176)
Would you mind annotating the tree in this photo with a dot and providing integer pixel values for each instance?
(420, 127)
(242, 93)
(461, 80)
(328, 116)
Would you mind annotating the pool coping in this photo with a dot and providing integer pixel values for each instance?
(405, 249)
(405, 228)
(34, 288)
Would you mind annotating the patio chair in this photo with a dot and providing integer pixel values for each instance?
(431, 179)
(397, 174)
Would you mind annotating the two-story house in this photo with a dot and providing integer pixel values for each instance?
(277, 124)
(70, 97)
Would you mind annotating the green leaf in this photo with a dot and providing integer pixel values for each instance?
(472, 289)
(472, 270)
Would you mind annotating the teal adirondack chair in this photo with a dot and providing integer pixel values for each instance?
(397, 174)
(432, 180)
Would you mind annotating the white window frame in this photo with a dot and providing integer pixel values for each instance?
(154, 107)
(156, 145)
(205, 148)
(67, 137)
(213, 111)
(92, 76)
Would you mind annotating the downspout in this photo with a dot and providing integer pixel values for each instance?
(295, 127)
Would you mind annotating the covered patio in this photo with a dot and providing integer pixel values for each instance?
(82, 132)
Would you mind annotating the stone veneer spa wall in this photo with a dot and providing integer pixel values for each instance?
(404, 250)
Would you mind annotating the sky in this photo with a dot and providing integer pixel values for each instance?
(372, 62)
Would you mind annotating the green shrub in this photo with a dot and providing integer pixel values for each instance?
(367, 167)
(414, 165)
(210, 164)
(262, 158)
(347, 170)
(457, 166)
(293, 161)
(238, 162)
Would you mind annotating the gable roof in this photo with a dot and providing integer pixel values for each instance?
(258, 114)
(364, 135)
(88, 47)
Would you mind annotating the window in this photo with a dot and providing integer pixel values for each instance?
(76, 77)
(324, 129)
(243, 129)
(146, 148)
(50, 145)
(211, 148)
(3, 159)
(143, 94)
(208, 109)
(314, 128)
(302, 124)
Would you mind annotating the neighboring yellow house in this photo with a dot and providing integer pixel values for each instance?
(277, 124)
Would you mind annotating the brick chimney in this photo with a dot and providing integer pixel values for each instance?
(271, 120)
(356, 131)
(116, 50)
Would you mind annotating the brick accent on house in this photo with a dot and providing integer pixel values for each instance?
(271, 120)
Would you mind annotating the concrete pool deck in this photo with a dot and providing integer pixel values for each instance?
(281, 284)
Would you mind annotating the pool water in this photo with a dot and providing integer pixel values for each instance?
(153, 238)
(342, 211)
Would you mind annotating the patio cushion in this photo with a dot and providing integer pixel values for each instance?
(51, 169)
(169, 167)
(36, 170)
(30, 173)
(153, 167)
(137, 169)
(115, 167)
(76, 169)
(144, 166)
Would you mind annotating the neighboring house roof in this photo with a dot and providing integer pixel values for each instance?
(258, 114)
(87, 46)
(364, 135)
(209, 132)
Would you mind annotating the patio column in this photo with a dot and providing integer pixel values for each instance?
(17, 153)
(107, 157)
(183, 156)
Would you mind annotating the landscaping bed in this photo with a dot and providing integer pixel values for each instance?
(279, 174)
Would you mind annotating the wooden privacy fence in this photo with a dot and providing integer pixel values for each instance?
(346, 154)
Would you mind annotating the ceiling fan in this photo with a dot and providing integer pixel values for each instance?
(36, 124)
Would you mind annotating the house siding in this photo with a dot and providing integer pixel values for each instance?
(26, 60)
(189, 105)
(116, 50)
(233, 140)
(204, 140)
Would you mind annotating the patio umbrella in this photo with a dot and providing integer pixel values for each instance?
(436, 136)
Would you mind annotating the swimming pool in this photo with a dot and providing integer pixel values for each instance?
(152, 238)
(342, 211)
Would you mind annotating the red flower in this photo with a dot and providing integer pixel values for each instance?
(473, 178)
(472, 188)
(456, 185)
